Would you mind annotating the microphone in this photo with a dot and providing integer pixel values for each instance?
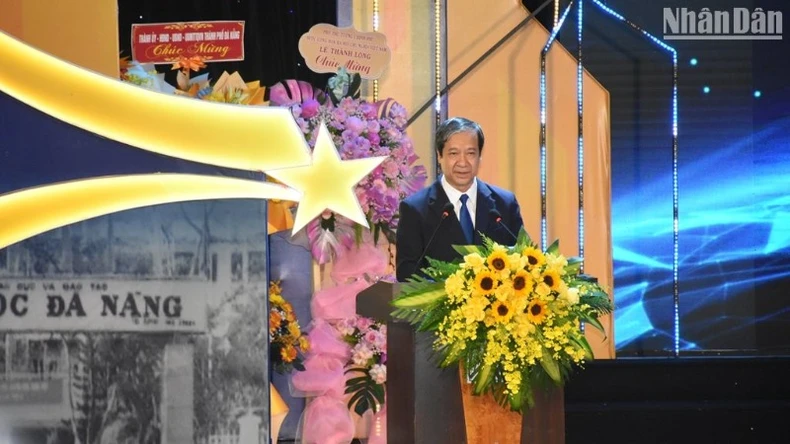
(497, 216)
(447, 210)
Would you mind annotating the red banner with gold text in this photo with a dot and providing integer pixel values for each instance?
(216, 41)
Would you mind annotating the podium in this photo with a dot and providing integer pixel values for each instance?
(424, 402)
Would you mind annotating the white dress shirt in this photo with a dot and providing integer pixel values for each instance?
(455, 198)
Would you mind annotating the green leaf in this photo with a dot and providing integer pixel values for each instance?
(582, 342)
(379, 393)
(376, 233)
(452, 355)
(358, 234)
(523, 238)
(483, 379)
(358, 396)
(516, 401)
(588, 319)
(554, 248)
(550, 365)
(463, 250)
(354, 381)
(422, 298)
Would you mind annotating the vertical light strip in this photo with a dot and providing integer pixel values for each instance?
(543, 53)
(375, 29)
(437, 73)
(556, 12)
(580, 110)
(675, 207)
(437, 32)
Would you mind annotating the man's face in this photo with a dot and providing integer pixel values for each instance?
(460, 160)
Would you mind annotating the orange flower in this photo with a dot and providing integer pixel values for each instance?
(123, 64)
(288, 353)
(275, 321)
(185, 64)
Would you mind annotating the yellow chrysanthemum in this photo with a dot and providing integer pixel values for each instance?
(524, 327)
(288, 353)
(304, 344)
(276, 299)
(522, 283)
(498, 260)
(485, 282)
(504, 291)
(515, 261)
(473, 261)
(552, 279)
(502, 311)
(557, 262)
(535, 257)
(536, 311)
(474, 309)
(454, 285)
(293, 329)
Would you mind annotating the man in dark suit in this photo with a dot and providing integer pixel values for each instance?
(455, 210)
(458, 207)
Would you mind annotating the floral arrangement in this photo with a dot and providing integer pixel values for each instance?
(228, 88)
(510, 316)
(368, 341)
(360, 129)
(286, 341)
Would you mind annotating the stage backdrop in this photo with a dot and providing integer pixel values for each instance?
(502, 94)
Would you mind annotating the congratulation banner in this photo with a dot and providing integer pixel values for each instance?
(217, 41)
(327, 48)
(103, 305)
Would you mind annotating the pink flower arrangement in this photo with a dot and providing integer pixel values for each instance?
(368, 341)
(360, 129)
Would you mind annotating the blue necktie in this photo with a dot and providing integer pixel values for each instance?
(466, 221)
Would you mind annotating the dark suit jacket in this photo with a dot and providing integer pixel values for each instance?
(421, 213)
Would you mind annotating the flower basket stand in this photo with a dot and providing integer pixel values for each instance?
(426, 404)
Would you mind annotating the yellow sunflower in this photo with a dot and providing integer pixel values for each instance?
(552, 279)
(536, 311)
(498, 260)
(522, 283)
(534, 257)
(485, 282)
(501, 311)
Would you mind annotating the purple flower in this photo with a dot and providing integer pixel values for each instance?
(391, 169)
(355, 125)
(310, 108)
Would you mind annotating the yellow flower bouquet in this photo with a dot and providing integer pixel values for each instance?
(510, 316)
(286, 341)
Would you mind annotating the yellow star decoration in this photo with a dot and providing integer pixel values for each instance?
(243, 137)
(327, 183)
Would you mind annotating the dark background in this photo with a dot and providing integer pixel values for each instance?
(734, 158)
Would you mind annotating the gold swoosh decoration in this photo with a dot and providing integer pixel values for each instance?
(244, 137)
(33, 211)
(253, 138)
